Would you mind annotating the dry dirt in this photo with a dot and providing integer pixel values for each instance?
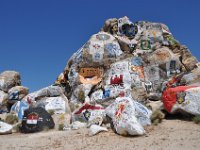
(169, 135)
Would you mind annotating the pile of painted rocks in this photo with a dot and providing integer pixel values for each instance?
(32, 112)
(126, 67)
(10, 89)
(11, 92)
(119, 79)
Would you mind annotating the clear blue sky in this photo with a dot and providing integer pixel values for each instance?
(37, 37)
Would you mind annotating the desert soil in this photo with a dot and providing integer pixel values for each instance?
(169, 135)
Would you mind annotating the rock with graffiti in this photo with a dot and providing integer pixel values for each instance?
(111, 79)
(133, 60)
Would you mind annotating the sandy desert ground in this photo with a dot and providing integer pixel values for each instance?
(169, 135)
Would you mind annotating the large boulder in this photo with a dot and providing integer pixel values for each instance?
(50, 91)
(56, 105)
(9, 79)
(35, 120)
(128, 116)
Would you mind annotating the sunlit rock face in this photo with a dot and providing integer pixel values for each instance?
(132, 59)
